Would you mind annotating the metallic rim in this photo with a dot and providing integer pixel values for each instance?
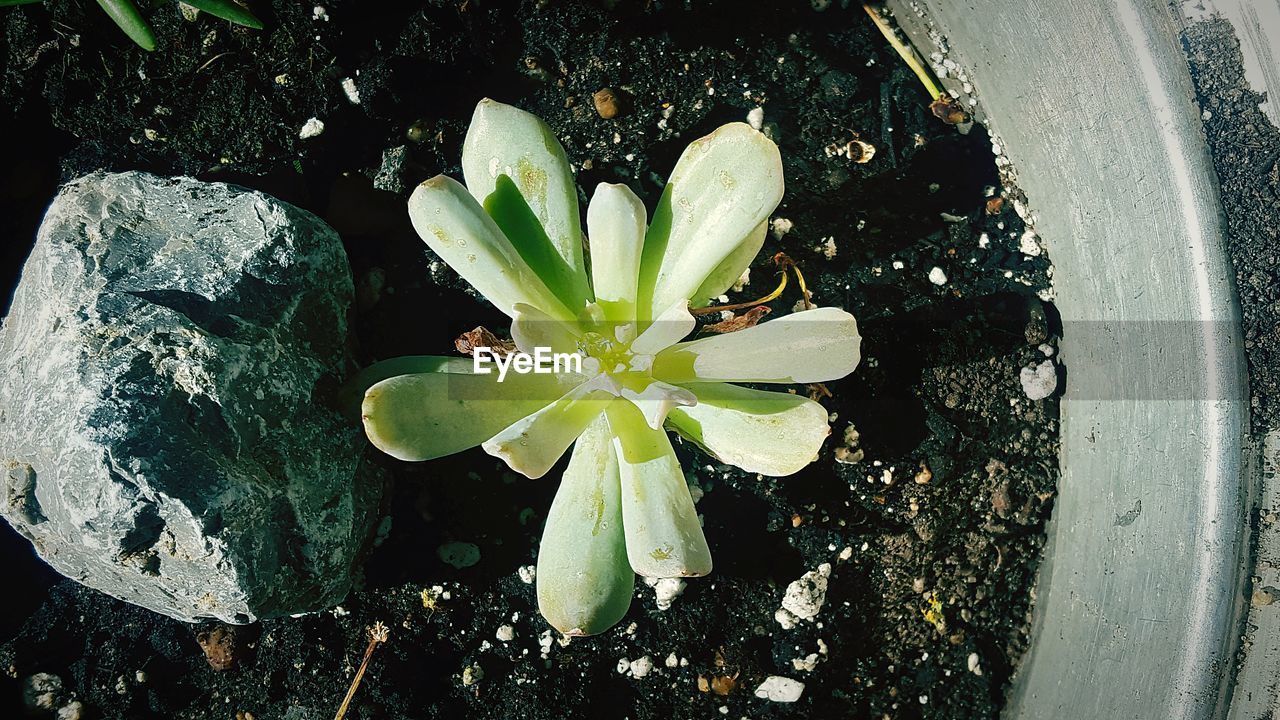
(1137, 603)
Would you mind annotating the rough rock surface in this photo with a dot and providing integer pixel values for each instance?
(165, 435)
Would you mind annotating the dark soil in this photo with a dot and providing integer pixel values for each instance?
(943, 495)
(1246, 155)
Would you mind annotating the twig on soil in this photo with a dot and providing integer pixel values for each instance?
(784, 263)
(209, 62)
(906, 52)
(377, 634)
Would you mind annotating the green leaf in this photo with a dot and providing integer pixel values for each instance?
(125, 14)
(615, 232)
(805, 347)
(655, 399)
(351, 394)
(531, 329)
(430, 415)
(533, 444)
(723, 187)
(505, 140)
(454, 225)
(770, 433)
(584, 580)
(227, 10)
(731, 268)
(509, 210)
(669, 328)
(664, 537)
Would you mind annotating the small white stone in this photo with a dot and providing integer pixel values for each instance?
(506, 633)
(984, 241)
(641, 667)
(975, 666)
(1046, 349)
(311, 128)
(527, 574)
(1029, 245)
(898, 264)
(755, 118)
(623, 666)
(805, 664)
(781, 226)
(780, 689)
(1039, 382)
(349, 89)
(804, 597)
(666, 590)
(785, 618)
(937, 276)
(846, 553)
(672, 661)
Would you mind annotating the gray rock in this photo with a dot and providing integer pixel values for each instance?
(165, 428)
(391, 174)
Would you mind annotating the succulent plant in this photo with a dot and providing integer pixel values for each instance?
(127, 17)
(513, 232)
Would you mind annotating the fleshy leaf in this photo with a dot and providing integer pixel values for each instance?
(664, 537)
(351, 395)
(805, 347)
(656, 400)
(673, 325)
(584, 580)
(533, 444)
(731, 268)
(722, 188)
(430, 415)
(125, 14)
(532, 329)
(770, 433)
(227, 10)
(454, 225)
(513, 215)
(505, 140)
(615, 231)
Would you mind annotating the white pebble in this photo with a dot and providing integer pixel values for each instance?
(785, 619)
(1028, 244)
(641, 667)
(781, 226)
(804, 597)
(780, 689)
(937, 276)
(527, 574)
(349, 89)
(623, 666)
(1040, 381)
(672, 661)
(506, 633)
(311, 128)
(755, 118)
(666, 590)
(974, 665)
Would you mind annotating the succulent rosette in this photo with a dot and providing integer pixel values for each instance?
(514, 233)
